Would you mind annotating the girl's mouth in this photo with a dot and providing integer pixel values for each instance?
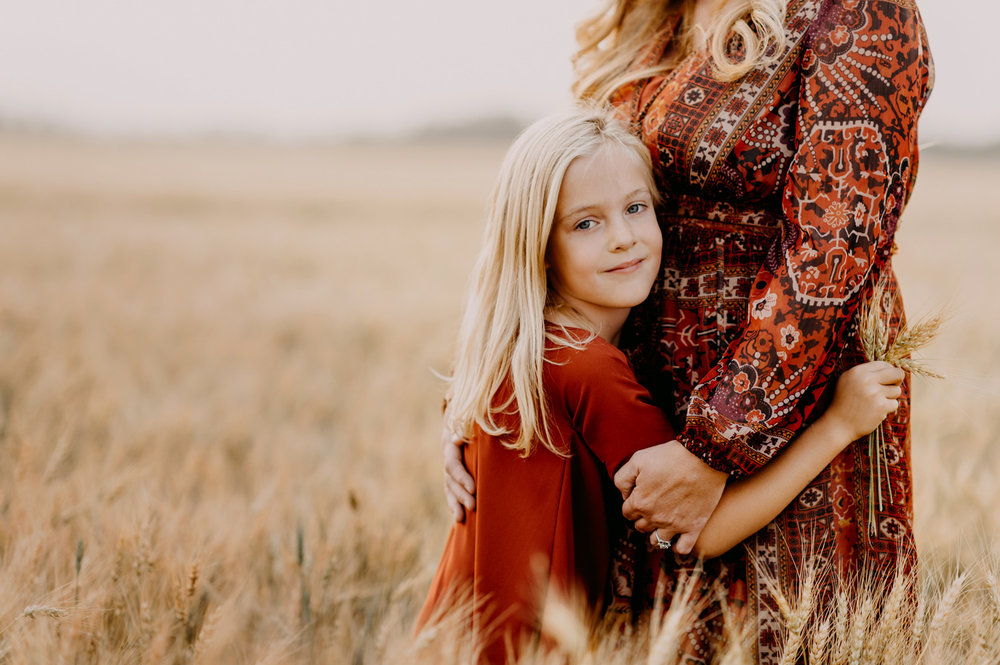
(627, 266)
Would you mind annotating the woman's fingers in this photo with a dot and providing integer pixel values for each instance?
(642, 525)
(665, 540)
(457, 511)
(454, 461)
(685, 544)
(662, 539)
(459, 486)
(675, 491)
(454, 467)
(625, 478)
(458, 495)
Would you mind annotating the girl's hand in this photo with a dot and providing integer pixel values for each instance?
(866, 394)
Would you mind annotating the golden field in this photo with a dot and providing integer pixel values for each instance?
(219, 418)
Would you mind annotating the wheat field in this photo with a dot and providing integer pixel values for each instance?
(219, 415)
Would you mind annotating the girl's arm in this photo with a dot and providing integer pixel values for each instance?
(865, 395)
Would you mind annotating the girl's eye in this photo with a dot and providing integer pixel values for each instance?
(635, 208)
(585, 224)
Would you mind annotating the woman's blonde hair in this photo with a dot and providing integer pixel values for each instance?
(619, 32)
(501, 343)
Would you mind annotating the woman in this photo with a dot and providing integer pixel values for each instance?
(786, 133)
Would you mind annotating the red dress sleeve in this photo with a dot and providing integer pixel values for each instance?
(613, 414)
(864, 75)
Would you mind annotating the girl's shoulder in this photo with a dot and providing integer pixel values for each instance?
(583, 358)
(593, 385)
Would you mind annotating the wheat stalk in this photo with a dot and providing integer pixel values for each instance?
(669, 625)
(563, 621)
(841, 627)
(797, 618)
(874, 318)
(889, 635)
(946, 605)
(858, 633)
(873, 329)
(818, 642)
(34, 611)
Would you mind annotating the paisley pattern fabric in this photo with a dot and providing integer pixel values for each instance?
(783, 193)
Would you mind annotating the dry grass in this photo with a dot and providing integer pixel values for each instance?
(873, 330)
(878, 343)
(218, 420)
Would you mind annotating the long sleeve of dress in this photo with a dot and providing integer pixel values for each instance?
(865, 73)
(613, 414)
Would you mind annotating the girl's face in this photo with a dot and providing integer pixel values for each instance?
(604, 249)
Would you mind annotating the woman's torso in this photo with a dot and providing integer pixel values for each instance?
(747, 169)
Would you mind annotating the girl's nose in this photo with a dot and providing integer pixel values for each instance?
(621, 233)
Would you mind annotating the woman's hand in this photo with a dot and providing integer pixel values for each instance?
(459, 487)
(866, 394)
(668, 489)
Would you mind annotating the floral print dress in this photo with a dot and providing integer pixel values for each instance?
(783, 193)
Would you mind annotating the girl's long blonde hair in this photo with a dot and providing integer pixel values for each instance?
(502, 339)
(618, 33)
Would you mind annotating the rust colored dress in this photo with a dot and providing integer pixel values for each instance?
(545, 523)
(783, 193)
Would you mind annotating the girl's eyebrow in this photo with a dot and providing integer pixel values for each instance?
(591, 206)
(637, 191)
(578, 210)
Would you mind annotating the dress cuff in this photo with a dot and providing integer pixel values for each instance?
(722, 455)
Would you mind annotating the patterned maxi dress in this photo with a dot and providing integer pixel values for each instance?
(784, 190)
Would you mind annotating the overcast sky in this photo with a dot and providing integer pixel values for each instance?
(299, 68)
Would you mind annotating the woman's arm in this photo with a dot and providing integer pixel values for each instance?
(863, 76)
(865, 395)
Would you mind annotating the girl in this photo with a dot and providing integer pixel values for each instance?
(549, 404)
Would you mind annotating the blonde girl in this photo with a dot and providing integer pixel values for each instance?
(786, 133)
(549, 405)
